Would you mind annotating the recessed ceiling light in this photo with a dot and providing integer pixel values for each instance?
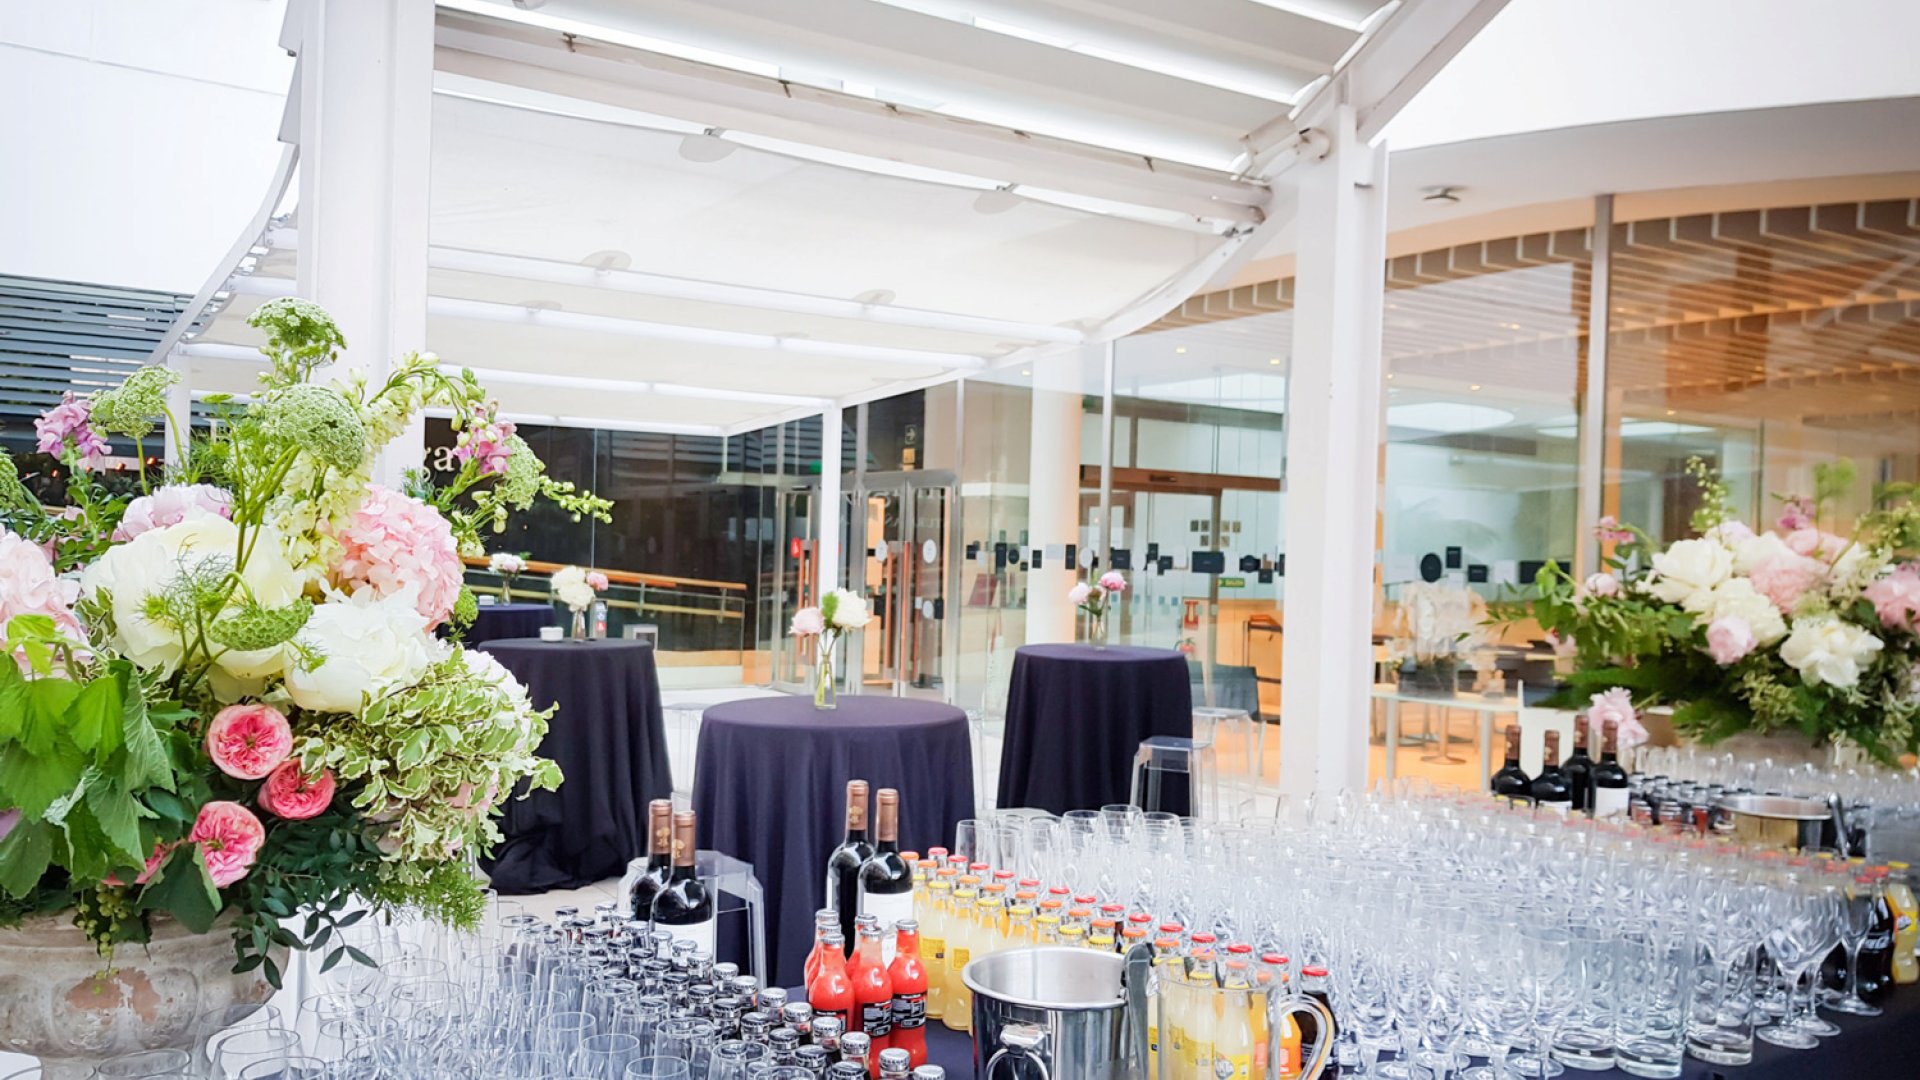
(1180, 349)
(1447, 417)
(1389, 374)
(1474, 386)
(1510, 325)
(1025, 371)
(1274, 360)
(1670, 412)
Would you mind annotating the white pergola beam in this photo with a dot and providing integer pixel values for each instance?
(536, 59)
(1396, 60)
(714, 292)
(489, 311)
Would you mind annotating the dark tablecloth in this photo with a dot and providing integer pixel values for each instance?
(770, 788)
(497, 622)
(1076, 716)
(611, 743)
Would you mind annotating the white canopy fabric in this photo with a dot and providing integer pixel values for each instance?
(716, 215)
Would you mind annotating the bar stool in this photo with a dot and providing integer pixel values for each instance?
(1239, 747)
(1161, 756)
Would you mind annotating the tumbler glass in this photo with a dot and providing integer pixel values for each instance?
(144, 1063)
(1586, 1038)
(605, 1057)
(659, 1068)
(1654, 983)
(234, 1051)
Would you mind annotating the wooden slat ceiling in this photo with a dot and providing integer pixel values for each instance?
(1810, 312)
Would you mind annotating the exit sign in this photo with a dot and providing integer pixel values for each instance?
(1233, 583)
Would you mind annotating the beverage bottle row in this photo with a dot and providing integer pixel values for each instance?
(668, 894)
(868, 921)
(1578, 785)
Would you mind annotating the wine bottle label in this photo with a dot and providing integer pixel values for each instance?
(876, 1018)
(889, 908)
(909, 1011)
(1609, 802)
(701, 934)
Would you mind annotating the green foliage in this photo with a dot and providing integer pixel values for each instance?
(320, 421)
(129, 408)
(300, 337)
(312, 872)
(251, 626)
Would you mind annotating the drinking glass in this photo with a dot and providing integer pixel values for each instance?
(966, 841)
(285, 1068)
(659, 1068)
(234, 1051)
(605, 1057)
(1655, 981)
(558, 1035)
(1856, 923)
(1801, 916)
(731, 1059)
(144, 1063)
(213, 1023)
(1586, 1039)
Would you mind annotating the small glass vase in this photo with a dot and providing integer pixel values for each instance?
(1097, 631)
(579, 631)
(825, 693)
(506, 588)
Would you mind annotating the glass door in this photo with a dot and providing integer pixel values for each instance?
(923, 627)
(793, 585)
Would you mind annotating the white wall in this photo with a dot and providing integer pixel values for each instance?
(137, 136)
(1593, 62)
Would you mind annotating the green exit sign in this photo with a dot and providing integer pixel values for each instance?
(1233, 583)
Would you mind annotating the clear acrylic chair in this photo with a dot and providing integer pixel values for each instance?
(1195, 759)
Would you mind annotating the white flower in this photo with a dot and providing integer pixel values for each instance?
(1756, 549)
(1827, 650)
(1079, 594)
(850, 610)
(506, 562)
(1736, 598)
(1603, 584)
(147, 564)
(370, 645)
(1688, 567)
(569, 585)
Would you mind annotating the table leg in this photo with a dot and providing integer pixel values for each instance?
(1393, 735)
(1486, 742)
(1445, 756)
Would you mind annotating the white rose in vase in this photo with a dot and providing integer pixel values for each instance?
(1689, 567)
(370, 646)
(850, 611)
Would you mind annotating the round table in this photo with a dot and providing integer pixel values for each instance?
(770, 781)
(1076, 715)
(610, 742)
(496, 622)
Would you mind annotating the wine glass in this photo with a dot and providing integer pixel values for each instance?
(1857, 911)
(1800, 916)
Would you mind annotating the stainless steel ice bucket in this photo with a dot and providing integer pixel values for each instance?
(1051, 1014)
(1778, 821)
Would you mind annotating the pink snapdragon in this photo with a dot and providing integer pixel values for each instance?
(1609, 531)
(171, 505)
(395, 542)
(1797, 514)
(1616, 706)
(294, 796)
(71, 421)
(1729, 639)
(484, 439)
(1896, 597)
(230, 837)
(248, 741)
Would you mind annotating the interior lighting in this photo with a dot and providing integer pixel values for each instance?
(1275, 361)
(706, 147)
(998, 201)
(1180, 349)
(1474, 386)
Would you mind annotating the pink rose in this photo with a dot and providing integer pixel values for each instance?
(29, 586)
(1784, 578)
(596, 581)
(1562, 646)
(1112, 581)
(171, 505)
(1896, 597)
(1729, 638)
(808, 622)
(1615, 707)
(230, 836)
(160, 853)
(1603, 584)
(290, 795)
(247, 741)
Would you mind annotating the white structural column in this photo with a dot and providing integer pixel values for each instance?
(1053, 495)
(180, 408)
(366, 118)
(1333, 447)
(827, 555)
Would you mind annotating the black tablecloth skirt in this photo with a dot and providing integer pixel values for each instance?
(1076, 716)
(770, 789)
(497, 622)
(611, 743)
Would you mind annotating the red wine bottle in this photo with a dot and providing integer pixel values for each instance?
(1512, 782)
(843, 866)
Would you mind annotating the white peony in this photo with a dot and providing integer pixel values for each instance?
(1736, 598)
(1828, 650)
(145, 566)
(850, 611)
(369, 646)
(569, 586)
(506, 562)
(1688, 567)
(1757, 549)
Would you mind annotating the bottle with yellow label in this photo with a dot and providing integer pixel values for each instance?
(989, 924)
(1906, 923)
(958, 1011)
(1233, 1030)
(931, 912)
(1199, 1018)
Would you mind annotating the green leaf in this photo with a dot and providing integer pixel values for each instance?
(31, 782)
(94, 718)
(24, 855)
(146, 763)
(184, 890)
(47, 703)
(170, 807)
(118, 815)
(413, 749)
(13, 702)
(332, 959)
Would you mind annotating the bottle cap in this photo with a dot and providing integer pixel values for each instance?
(1003, 875)
(906, 926)
(1029, 883)
(1171, 928)
(896, 1060)
(1239, 947)
(1314, 972)
(1204, 938)
(855, 1044)
(930, 1072)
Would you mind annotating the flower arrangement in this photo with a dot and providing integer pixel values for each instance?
(577, 588)
(840, 611)
(1096, 598)
(224, 694)
(1789, 629)
(1437, 629)
(508, 566)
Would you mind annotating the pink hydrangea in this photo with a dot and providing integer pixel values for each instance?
(248, 741)
(1729, 639)
(230, 836)
(294, 796)
(171, 505)
(1784, 578)
(71, 421)
(396, 542)
(1896, 597)
(28, 586)
(596, 581)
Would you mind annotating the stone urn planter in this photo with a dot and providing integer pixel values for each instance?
(60, 1002)
(1787, 748)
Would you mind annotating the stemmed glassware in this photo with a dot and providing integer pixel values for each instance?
(1857, 911)
(1803, 920)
